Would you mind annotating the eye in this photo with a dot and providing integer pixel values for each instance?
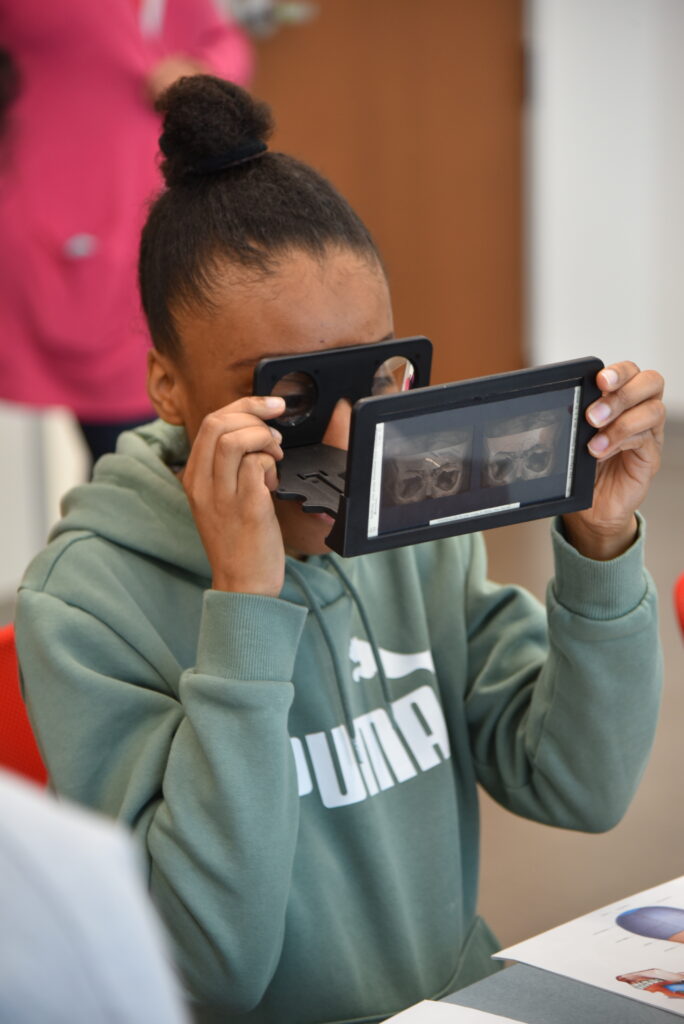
(410, 487)
(296, 403)
(538, 459)
(300, 392)
(502, 467)
(448, 478)
(406, 478)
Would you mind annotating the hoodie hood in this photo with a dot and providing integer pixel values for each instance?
(136, 501)
(137, 486)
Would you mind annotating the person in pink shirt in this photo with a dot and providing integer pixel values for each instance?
(78, 168)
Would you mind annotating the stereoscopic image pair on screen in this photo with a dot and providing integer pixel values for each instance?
(428, 462)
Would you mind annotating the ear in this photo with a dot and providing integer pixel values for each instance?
(164, 388)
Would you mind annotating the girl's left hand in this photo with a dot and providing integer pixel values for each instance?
(631, 418)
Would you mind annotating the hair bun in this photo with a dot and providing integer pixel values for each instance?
(206, 119)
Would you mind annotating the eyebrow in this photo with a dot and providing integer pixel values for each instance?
(239, 363)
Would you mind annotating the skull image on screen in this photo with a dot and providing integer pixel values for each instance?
(522, 448)
(434, 466)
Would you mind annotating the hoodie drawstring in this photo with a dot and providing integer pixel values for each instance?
(345, 708)
(354, 594)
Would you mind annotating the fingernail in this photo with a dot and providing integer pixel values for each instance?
(274, 402)
(599, 443)
(276, 433)
(599, 413)
(610, 377)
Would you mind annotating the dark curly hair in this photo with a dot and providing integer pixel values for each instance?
(229, 200)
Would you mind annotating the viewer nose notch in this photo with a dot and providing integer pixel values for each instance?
(337, 432)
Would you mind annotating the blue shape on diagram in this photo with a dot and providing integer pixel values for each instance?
(653, 922)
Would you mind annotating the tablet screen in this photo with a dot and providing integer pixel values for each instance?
(478, 460)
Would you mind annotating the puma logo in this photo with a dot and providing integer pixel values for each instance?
(395, 664)
(392, 746)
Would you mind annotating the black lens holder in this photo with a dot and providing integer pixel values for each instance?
(337, 373)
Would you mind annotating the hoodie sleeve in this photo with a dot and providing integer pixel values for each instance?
(200, 767)
(561, 709)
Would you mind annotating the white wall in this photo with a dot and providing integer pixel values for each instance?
(41, 456)
(605, 199)
(22, 504)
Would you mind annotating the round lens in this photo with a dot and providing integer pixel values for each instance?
(299, 391)
(396, 374)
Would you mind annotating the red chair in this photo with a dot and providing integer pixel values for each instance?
(679, 600)
(18, 750)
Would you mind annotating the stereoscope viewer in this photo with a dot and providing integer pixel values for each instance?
(429, 462)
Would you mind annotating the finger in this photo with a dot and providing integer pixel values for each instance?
(644, 421)
(232, 447)
(257, 471)
(249, 411)
(271, 478)
(642, 387)
(200, 477)
(243, 413)
(215, 481)
(266, 407)
(644, 445)
(616, 375)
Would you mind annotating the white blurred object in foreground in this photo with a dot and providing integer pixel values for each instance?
(79, 940)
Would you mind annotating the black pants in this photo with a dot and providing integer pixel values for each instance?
(101, 437)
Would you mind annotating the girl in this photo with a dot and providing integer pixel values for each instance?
(295, 738)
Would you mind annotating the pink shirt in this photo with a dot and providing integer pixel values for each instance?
(77, 169)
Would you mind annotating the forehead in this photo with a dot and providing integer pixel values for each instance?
(304, 305)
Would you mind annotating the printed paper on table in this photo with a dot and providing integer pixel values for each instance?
(429, 1012)
(634, 947)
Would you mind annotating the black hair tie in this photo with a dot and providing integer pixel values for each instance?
(230, 158)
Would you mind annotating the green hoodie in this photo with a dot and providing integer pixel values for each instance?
(302, 770)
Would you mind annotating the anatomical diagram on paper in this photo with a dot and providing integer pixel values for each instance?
(634, 947)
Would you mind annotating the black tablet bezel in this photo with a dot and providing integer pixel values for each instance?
(349, 535)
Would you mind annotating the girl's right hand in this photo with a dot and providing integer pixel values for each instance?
(228, 479)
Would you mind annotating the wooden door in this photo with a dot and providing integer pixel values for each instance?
(414, 111)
